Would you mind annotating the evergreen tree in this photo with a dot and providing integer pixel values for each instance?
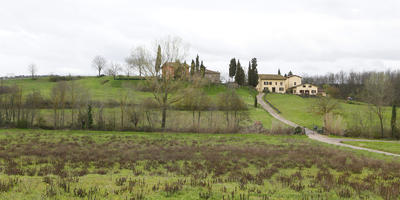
(393, 122)
(202, 69)
(89, 117)
(240, 76)
(285, 75)
(290, 73)
(279, 71)
(249, 75)
(254, 71)
(192, 68)
(232, 68)
(197, 63)
(158, 60)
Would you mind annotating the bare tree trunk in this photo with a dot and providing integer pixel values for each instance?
(164, 117)
(381, 121)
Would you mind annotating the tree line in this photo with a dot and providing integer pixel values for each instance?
(237, 73)
(377, 89)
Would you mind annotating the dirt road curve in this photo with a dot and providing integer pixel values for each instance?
(315, 136)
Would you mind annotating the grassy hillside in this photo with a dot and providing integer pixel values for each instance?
(105, 88)
(299, 110)
(126, 165)
(102, 88)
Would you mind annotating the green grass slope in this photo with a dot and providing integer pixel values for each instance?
(299, 110)
(105, 88)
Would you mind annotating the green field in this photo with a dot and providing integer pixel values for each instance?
(103, 88)
(391, 147)
(106, 89)
(38, 164)
(299, 110)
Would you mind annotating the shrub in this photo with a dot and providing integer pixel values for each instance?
(334, 124)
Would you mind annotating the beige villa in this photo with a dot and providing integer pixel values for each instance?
(281, 84)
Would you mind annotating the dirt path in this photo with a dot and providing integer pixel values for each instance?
(315, 136)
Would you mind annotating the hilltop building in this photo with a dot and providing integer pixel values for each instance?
(212, 76)
(280, 84)
(176, 69)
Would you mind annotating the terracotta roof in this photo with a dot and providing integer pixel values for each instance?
(271, 77)
(294, 75)
(303, 84)
(211, 72)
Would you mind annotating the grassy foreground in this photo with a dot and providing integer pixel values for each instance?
(37, 164)
(391, 147)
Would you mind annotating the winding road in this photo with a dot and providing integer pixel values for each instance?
(315, 136)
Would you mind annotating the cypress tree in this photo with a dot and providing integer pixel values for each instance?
(249, 75)
(202, 69)
(279, 71)
(254, 72)
(240, 76)
(192, 68)
(158, 60)
(290, 73)
(393, 122)
(89, 117)
(232, 68)
(197, 64)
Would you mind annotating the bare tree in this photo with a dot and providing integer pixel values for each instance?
(114, 69)
(127, 69)
(167, 91)
(99, 63)
(172, 48)
(140, 59)
(376, 94)
(32, 70)
(324, 106)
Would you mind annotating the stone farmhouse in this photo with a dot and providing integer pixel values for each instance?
(212, 76)
(170, 69)
(281, 84)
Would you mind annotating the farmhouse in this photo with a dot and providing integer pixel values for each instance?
(281, 84)
(212, 76)
(176, 69)
(173, 69)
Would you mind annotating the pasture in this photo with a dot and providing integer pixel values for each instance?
(38, 164)
(357, 118)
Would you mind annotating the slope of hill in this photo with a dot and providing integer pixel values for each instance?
(300, 111)
(106, 88)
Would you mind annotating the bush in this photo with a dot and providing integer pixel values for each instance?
(298, 131)
(56, 78)
(334, 124)
(22, 124)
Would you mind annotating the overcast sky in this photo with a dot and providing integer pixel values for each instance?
(313, 37)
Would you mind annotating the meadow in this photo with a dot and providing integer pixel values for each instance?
(106, 92)
(39, 164)
(387, 146)
(358, 118)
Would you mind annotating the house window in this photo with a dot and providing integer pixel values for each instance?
(270, 83)
(294, 83)
(276, 83)
(281, 89)
(301, 91)
(309, 86)
(265, 83)
(281, 83)
(304, 85)
(313, 91)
